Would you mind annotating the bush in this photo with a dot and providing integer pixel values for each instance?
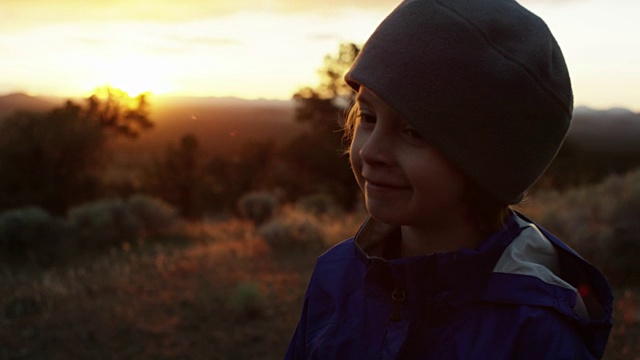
(104, 224)
(32, 234)
(602, 222)
(318, 204)
(155, 216)
(257, 206)
(113, 222)
(293, 230)
(625, 238)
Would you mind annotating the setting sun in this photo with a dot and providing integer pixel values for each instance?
(252, 49)
(133, 75)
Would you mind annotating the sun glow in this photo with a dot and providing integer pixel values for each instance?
(127, 65)
(270, 50)
(131, 78)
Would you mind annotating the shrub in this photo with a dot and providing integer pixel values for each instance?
(257, 206)
(104, 223)
(113, 222)
(293, 230)
(155, 216)
(32, 234)
(602, 222)
(625, 238)
(318, 204)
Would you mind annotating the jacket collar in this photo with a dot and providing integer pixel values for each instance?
(452, 278)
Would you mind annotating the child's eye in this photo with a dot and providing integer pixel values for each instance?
(413, 133)
(367, 118)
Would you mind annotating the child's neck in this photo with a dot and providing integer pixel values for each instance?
(418, 240)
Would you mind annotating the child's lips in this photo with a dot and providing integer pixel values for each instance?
(383, 186)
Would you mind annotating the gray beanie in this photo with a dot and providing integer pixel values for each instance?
(484, 81)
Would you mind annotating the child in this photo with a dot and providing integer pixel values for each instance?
(461, 105)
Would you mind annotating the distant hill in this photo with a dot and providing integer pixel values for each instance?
(613, 130)
(9, 104)
(223, 125)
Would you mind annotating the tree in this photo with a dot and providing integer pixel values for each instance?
(53, 159)
(196, 187)
(118, 113)
(314, 155)
(324, 105)
(253, 168)
(177, 178)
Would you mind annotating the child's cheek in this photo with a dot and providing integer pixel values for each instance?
(356, 161)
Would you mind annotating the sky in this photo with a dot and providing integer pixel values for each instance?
(264, 48)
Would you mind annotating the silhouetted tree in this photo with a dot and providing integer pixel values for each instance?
(196, 187)
(53, 159)
(177, 177)
(253, 168)
(314, 156)
(324, 105)
(115, 111)
(575, 166)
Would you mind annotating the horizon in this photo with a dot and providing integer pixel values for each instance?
(150, 96)
(577, 109)
(257, 50)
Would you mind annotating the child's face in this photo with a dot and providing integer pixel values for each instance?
(404, 179)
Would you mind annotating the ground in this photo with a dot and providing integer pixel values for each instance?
(223, 293)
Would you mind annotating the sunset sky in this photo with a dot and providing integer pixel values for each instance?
(264, 48)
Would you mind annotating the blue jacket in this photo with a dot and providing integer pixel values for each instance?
(522, 294)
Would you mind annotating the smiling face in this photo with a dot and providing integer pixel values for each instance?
(405, 180)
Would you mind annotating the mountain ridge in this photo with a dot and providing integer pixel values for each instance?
(230, 120)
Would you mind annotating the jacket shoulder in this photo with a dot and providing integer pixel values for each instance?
(539, 272)
(343, 251)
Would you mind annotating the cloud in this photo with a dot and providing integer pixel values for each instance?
(208, 41)
(172, 44)
(27, 13)
(551, 2)
(90, 41)
(324, 37)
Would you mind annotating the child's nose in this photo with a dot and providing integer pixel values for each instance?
(377, 148)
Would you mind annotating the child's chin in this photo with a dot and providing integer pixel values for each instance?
(386, 216)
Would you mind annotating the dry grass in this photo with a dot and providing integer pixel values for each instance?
(223, 294)
(624, 343)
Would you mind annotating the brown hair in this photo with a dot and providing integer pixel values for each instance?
(349, 126)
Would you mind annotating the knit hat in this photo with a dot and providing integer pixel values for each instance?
(484, 81)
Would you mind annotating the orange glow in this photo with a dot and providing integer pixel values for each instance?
(262, 49)
(132, 76)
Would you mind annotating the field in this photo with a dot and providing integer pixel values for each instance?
(221, 294)
(223, 289)
(226, 288)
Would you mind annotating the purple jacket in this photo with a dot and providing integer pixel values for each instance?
(522, 294)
